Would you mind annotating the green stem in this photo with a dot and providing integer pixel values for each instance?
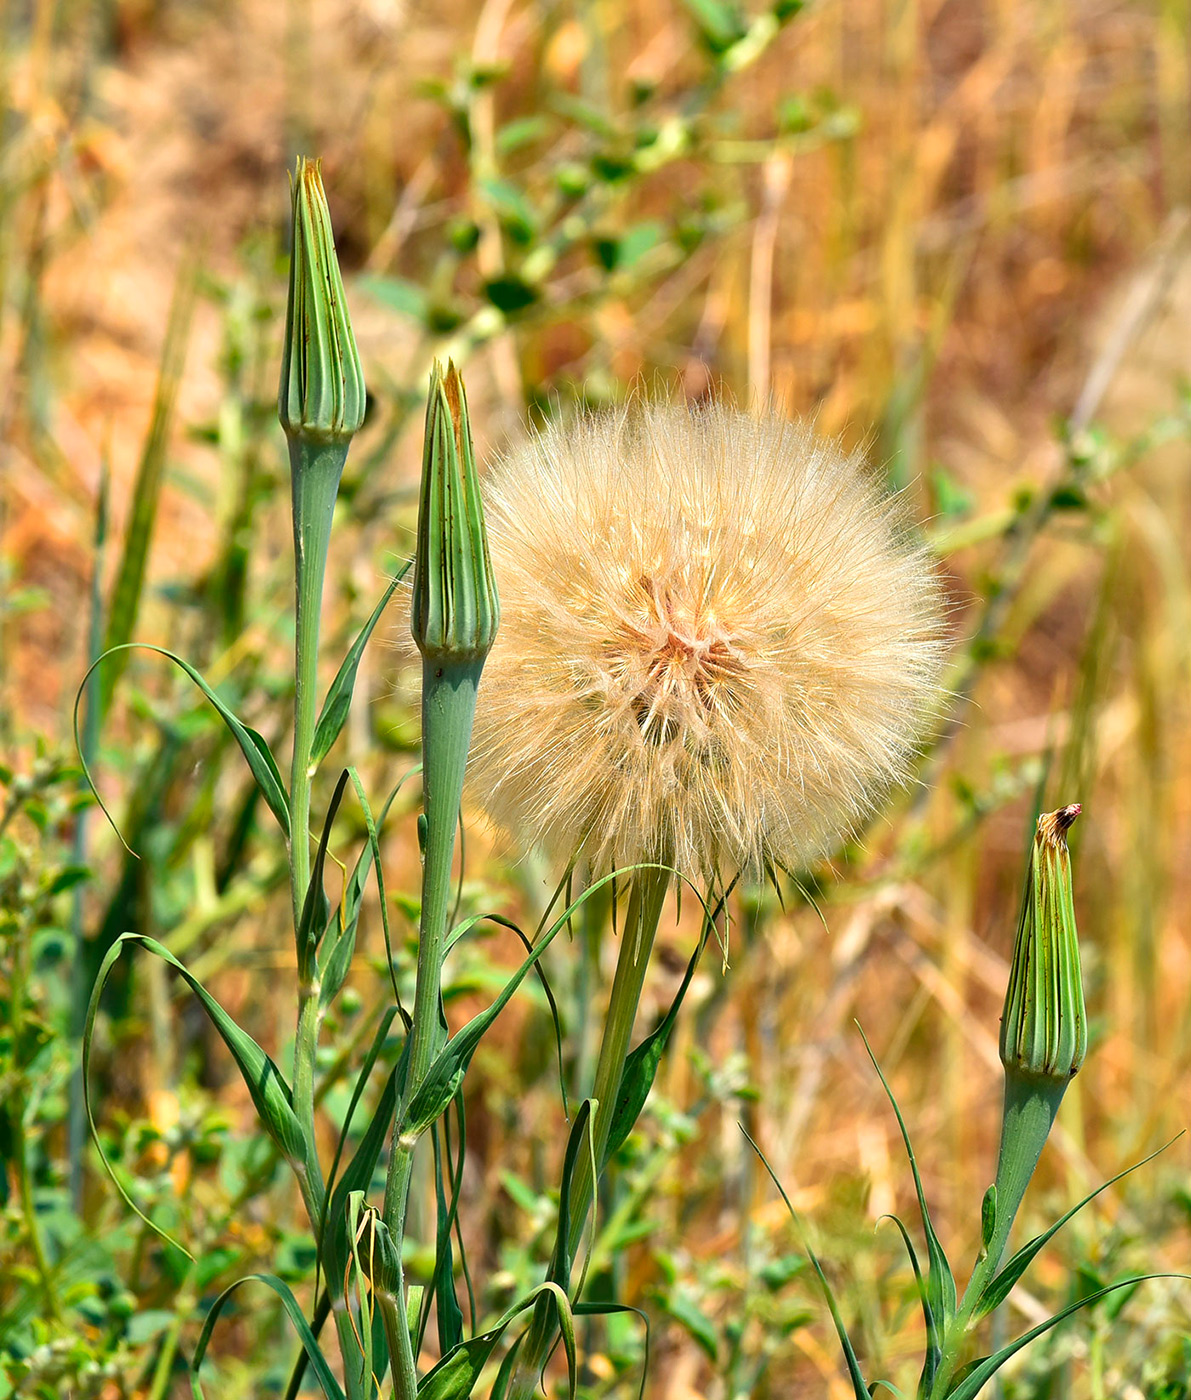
(1031, 1103)
(646, 898)
(448, 708)
(315, 471)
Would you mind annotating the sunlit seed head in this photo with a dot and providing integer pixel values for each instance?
(718, 645)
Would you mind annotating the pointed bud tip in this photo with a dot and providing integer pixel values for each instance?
(1053, 826)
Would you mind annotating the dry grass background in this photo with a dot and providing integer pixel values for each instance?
(944, 285)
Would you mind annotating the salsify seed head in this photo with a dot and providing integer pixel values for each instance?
(719, 641)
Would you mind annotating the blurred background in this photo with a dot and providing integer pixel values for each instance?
(953, 231)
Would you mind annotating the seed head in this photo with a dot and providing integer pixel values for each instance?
(718, 642)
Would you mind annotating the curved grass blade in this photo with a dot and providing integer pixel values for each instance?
(455, 1376)
(339, 949)
(934, 1342)
(641, 1066)
(602, 1309)
(253, 746)
(333, 715)
(270, 1093)
(940, 1280)
(322, 1311)
(1001, 1284)
(468, 924)
(374, 847)
(317, 1361)
(855, 1375)
(972, 1380)
(361, 1083)
(449, 1066)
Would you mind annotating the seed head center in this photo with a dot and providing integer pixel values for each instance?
(675, 664)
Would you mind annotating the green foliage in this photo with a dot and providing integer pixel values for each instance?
(576, 196)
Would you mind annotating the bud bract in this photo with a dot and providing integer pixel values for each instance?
(1044, 1031)
(321, 398)
(455, 607)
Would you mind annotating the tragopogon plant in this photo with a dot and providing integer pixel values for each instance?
(717, 649)
(1043, 1043)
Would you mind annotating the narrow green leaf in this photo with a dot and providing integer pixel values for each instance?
(357, 1175)
(318, 1362)
(361, 1084)
(455, 1376)
(1001, 1284)
(940, 1279)
(252, 745)
(988, 1217)
(146, 492)
(975, 1377)
(335, 708)
(270, 1093)
(580, 1136)
(446, 1302)
(641, 1065)
(933, 1350)
(266, 1084)
(859, 1387)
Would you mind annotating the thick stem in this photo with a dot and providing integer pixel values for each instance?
(641, 924)
(448, 708)
(1031, 1103)
(315, 472)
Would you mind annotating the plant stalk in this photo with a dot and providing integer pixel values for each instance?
(315, 471)
(448, 709)
(646, 898)
(1031, 1103)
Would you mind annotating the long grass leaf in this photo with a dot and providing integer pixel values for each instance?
(940, 1279)
(270, 1093)
(338, 701)
(976, 1376)
(146, 493)
(1001, 1284)
(859, 1386)
(318, 1362)
(253, 746)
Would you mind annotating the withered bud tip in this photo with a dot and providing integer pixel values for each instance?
(1053, 826)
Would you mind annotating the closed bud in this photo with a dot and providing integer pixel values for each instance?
(455, 607)
(321, 398)
(1044, 1030)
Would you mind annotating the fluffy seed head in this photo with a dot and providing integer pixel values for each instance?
(717, 645)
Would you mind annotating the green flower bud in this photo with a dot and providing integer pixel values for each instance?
(321, 398)
(1044, 1029)
(1044, 1033)
(455, 608)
